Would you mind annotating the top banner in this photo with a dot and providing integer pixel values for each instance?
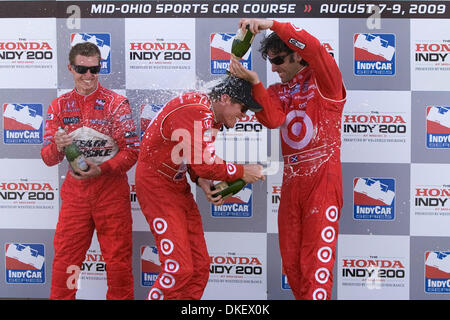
(225, 9)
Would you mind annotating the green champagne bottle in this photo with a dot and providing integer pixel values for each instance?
(227, 189)
(75, 156)
(241, 43)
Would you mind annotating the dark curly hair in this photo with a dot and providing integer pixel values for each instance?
(273, 43)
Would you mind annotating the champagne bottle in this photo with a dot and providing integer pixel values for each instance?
(75, 156)
(227, 189)
(241, 43)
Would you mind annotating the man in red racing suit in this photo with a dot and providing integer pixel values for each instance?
(307, 106)
(99, 121)
(178, 140)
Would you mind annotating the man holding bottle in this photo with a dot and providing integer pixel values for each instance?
(100, 122)
(307, 106)
(180, 139)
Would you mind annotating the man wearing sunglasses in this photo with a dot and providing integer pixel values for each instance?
(100, 122)
(307, 106)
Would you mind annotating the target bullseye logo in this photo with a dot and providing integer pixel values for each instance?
(155, 294)
(319, 294)
(322, 275)
(293, 132)
(171, 266)
(332, 213)
(328, 234)
(231, 169)
(166, 246)
(167, 281)
(160, 225)
(324, 254)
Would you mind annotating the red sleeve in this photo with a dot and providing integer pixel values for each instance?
(273, 114)
(327, 73)
(197, 136)
(126, 137)
(49, 153)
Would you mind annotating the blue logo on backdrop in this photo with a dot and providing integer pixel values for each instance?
(438, 127)
(237, 206)
(374, 54)
(373, 199)
(22, 123)
(25, 263)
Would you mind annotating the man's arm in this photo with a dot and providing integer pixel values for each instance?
(328, 75)
(199, 151)
(50, 153)
(327, 72)
(272, 116)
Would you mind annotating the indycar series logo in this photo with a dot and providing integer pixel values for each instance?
(438, 127)
(284, 280)
(103, 42)
(220, 46)
(236, 206)
(150, 265)
(24, 263)
(22, 123)
(437, 271)
(374, 54)
(373, 199)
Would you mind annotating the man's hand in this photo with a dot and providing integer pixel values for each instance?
(238, 70)
(62, 139)
(94, 171)
(253, 173)
(206, 187)
(255, 25)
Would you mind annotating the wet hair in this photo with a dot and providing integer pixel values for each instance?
(86, 49)
(274, 44)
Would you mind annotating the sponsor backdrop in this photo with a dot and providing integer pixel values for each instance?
(395, 61)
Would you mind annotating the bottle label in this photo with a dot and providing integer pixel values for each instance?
(79, 164)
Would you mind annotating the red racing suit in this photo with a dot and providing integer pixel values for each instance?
(308, 110)
(178, 140)
(102, 126)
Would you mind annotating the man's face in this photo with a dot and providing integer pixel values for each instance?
(288, 68)
(85, 83)
(232, 113)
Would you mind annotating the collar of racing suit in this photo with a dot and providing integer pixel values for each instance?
(89, 97)
(298, 76)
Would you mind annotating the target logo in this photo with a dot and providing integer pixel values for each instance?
(320, 294)
(297, 131)
(160, 225)
(231, 169)
(322, 275)
(332, 213)
(171, 266)
(167, 281)
(328, 234)
(324, 254)
(155, 294)
(166, 246)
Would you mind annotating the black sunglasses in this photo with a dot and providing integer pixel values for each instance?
(278, 59)
(84, 69)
